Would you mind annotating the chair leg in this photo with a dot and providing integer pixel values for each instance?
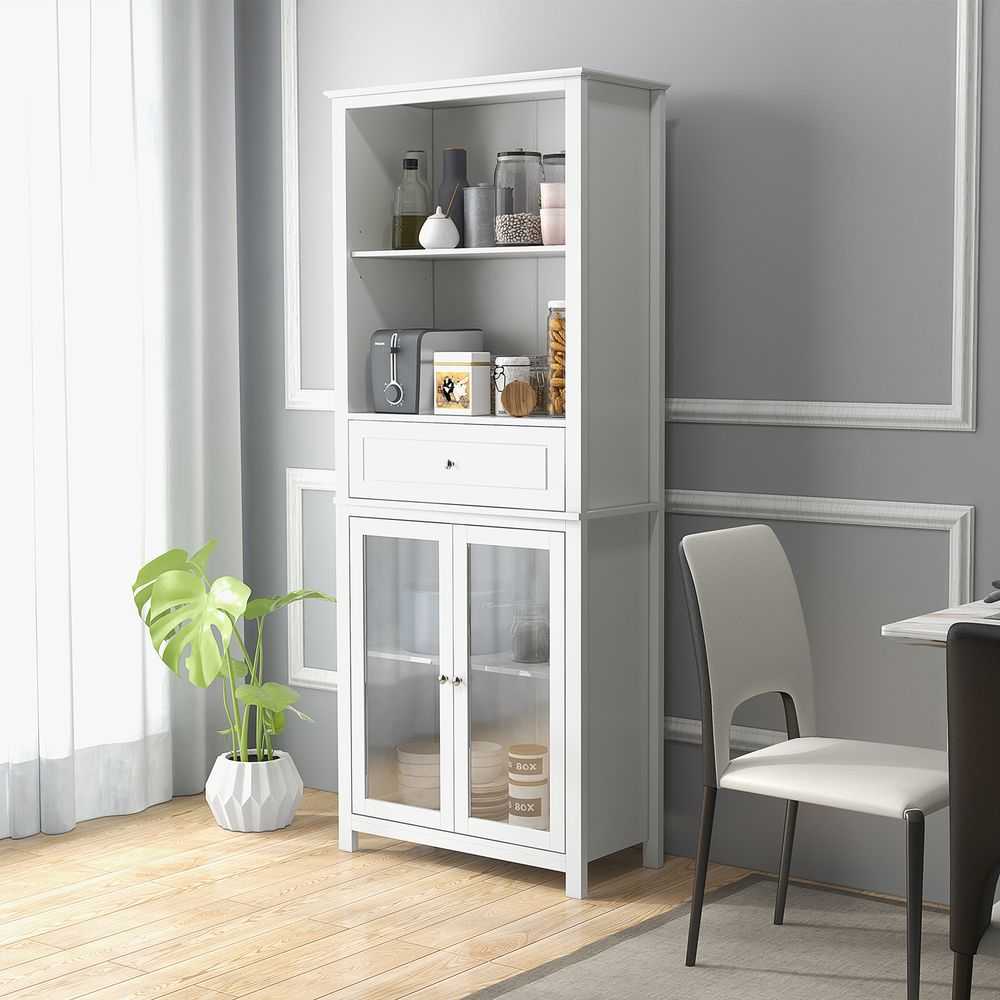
(701, 871)
(914, 898)
(961, 977)
(787, 838)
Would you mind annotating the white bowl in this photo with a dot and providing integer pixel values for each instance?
(420, 797)
(419, 753)
(409, 781)
(419, 770)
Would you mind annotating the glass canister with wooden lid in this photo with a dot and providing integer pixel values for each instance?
(557, 357)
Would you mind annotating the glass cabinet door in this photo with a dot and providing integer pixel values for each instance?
(401, 661)
(509, 661)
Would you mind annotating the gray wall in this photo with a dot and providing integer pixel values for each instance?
(810, 150)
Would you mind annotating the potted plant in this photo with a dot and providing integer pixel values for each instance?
(193, 622)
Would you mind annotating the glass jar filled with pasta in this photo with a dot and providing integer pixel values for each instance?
(557, 357)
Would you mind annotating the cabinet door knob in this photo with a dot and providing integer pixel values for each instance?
(456, 681)
(442, 679)
(449, 464)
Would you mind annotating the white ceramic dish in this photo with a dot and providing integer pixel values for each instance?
(409, 781)
(419, 753)
(419, 770)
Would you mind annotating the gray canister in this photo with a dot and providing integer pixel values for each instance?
(479, 214)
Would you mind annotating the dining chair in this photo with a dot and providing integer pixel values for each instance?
(973, 752)
(750, 638)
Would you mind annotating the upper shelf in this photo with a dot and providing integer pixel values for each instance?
(464, 253)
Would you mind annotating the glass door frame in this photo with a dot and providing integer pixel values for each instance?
(362, 528)
(553, 542)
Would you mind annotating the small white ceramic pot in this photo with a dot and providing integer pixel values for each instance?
(253, 797)
(438, 232)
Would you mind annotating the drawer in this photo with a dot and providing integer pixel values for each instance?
(490, 466)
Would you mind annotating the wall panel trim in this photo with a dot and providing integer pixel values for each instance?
(296, 397)
(296, 482)
(960, 413)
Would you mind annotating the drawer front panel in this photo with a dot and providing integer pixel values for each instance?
(503, 466)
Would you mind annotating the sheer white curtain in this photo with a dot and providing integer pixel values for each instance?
(119, 387)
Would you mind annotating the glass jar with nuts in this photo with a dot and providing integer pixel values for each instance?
(557, 357)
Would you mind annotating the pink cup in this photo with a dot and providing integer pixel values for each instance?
(553, 226)
(553, 195)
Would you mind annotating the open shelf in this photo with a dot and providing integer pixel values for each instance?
(488, 419)
(465, 253)
(492, 663)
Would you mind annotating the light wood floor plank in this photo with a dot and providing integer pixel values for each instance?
(164, 904)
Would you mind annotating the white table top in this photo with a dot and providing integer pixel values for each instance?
(932, 629)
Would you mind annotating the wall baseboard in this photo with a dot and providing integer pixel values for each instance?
(741, 738)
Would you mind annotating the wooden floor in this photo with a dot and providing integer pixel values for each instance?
(166, 904)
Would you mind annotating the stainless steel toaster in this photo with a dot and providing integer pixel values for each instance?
(402, 365)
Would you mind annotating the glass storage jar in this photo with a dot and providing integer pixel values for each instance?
(517, 178)
(530, 632)
(556, 327)
(554, 168)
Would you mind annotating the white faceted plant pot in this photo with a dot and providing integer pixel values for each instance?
(252, 796)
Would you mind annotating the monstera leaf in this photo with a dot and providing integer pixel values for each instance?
(175, 559)
(271, 700)
(184, 617)
(261, 606)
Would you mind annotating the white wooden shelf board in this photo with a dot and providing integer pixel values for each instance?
(496, 663)
(464, 253)
(432, 418)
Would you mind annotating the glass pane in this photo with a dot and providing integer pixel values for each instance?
(509, 685)
(402, 727)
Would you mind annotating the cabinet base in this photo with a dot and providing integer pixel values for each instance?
(449, 841)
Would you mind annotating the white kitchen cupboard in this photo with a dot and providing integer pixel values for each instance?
(453, 533)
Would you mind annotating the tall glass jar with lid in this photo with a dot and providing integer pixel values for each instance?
(517, 178)
(554, 167)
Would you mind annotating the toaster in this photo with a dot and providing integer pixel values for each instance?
(402, 365)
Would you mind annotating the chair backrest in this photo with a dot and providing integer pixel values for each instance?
(748, 630)
(974, 778)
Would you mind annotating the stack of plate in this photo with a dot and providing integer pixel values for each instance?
(489, 781)
(418, 767)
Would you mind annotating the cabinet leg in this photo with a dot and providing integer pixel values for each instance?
(348, 838)
(576, 881)
(652, 852)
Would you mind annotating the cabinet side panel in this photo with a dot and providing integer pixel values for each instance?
(617, 636)
(617, 272)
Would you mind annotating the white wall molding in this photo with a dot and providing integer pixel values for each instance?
(960, 413)
(957, 520)
(742, 739)
(296, 482)
(296, 397)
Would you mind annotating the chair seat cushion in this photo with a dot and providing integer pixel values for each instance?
(989, 946)
(876, 778)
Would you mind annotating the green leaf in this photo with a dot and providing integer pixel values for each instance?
(186, 618)
(265, 605)
(259, 607)
(272, 696)
(233, 669)
(142, 589)
(301, 715)
(200, 558)
(274, 722)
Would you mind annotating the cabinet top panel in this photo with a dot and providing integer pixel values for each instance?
(436, 93)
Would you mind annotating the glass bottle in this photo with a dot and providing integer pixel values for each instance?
(409, 208)
(517, 178)
(556, 329)
(530, 632)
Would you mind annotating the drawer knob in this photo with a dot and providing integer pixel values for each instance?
(456, 681)
(449, 464)
(442, 680)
